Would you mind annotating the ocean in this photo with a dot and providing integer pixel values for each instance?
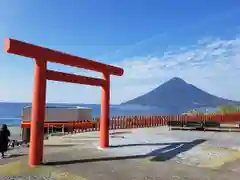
(10, 113)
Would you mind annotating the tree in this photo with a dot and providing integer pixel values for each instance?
(226, 109)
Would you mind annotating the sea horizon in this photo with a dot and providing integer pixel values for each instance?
(11, 112)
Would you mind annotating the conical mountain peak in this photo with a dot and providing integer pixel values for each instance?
(179, 95)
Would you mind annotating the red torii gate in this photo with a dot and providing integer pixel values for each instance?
(41, 56)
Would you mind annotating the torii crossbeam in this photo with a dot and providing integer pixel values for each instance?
(42, 55)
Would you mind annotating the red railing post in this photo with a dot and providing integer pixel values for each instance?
(113, 122)
(124, 122)
(117, 122)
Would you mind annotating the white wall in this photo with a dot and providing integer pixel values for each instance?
(61, 114)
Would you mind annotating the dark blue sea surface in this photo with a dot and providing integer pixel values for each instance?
(10, 113)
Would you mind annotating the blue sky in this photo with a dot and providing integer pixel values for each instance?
(153, 40)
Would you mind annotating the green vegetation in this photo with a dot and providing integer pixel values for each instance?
(222, 109)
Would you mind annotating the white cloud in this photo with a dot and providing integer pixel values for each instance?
(213, 66)
(210, 64)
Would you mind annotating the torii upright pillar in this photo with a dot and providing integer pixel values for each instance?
(43, 55)
(104, 120)
(38, 113)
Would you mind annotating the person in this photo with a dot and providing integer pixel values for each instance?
(4, 139)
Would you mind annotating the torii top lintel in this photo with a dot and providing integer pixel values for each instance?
(41, 53)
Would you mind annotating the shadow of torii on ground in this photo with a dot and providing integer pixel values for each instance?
(162, 154)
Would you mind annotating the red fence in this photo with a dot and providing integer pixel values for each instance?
(128, 122)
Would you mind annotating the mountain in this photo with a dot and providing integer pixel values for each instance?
(177, 96)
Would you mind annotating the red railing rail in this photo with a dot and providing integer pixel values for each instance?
(128, 122)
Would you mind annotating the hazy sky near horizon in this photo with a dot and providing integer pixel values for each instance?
(152, 40)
